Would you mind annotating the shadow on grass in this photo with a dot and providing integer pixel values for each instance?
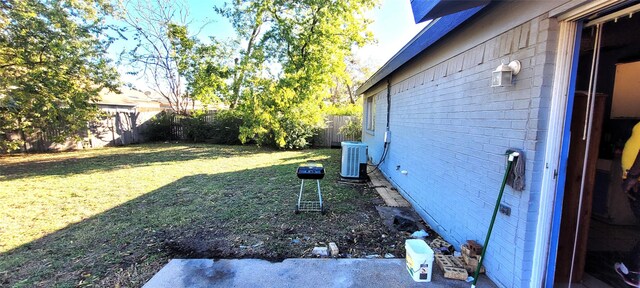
(226, 215)
(125, 157)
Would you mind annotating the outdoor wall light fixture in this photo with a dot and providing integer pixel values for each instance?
(503, 75)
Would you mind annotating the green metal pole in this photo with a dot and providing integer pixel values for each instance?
(493, 220)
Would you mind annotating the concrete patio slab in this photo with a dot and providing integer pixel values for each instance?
(316, 273)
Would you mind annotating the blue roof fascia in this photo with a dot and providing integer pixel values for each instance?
(424, 10)
(428, 36)
(421, 8)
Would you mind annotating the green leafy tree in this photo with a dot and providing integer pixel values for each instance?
(52, 66)
(203, 65)
(345, 85)
(248, 19)
(300, 48)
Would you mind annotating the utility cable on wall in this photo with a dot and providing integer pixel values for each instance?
(387, 134)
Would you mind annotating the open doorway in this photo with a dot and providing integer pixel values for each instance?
(594, 203)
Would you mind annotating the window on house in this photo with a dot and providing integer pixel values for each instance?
(370, 110)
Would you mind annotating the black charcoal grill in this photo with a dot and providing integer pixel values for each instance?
(310, 171)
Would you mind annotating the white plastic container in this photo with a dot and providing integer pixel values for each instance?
(419, 260)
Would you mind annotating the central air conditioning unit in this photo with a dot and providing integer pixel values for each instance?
(354, 160)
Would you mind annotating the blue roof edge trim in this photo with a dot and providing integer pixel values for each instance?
(424, 10)
(421, 8)
(431, 34)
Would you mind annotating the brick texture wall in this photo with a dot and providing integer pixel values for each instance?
(450, 131)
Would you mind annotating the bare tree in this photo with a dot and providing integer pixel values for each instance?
(154, 57)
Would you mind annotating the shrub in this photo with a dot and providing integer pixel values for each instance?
(284, 114)
(196, 128)
(159, 128)
(298, 133)
(353, 128)
(7, 144)
(226, 128)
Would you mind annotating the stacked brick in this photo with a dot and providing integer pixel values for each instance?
(471, 256)
(451, 265)
(457, 267)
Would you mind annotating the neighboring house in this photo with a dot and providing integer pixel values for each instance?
(125, 113)
(448, 130)
(123, 116)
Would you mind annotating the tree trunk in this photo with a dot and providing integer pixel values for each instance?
(351, 99)
(237, 84)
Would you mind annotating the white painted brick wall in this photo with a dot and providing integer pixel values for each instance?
(450, 131)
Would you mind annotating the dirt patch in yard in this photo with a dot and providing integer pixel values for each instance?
(360, 234)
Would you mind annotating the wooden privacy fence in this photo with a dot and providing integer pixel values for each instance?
(177, 127)
(125, 128)
(331, 136)
(117, 126)
(177, 131)
(327, 137)
(41, 141)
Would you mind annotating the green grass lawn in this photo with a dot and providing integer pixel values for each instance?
(113, 217)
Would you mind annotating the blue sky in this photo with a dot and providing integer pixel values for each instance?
(393, 27)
